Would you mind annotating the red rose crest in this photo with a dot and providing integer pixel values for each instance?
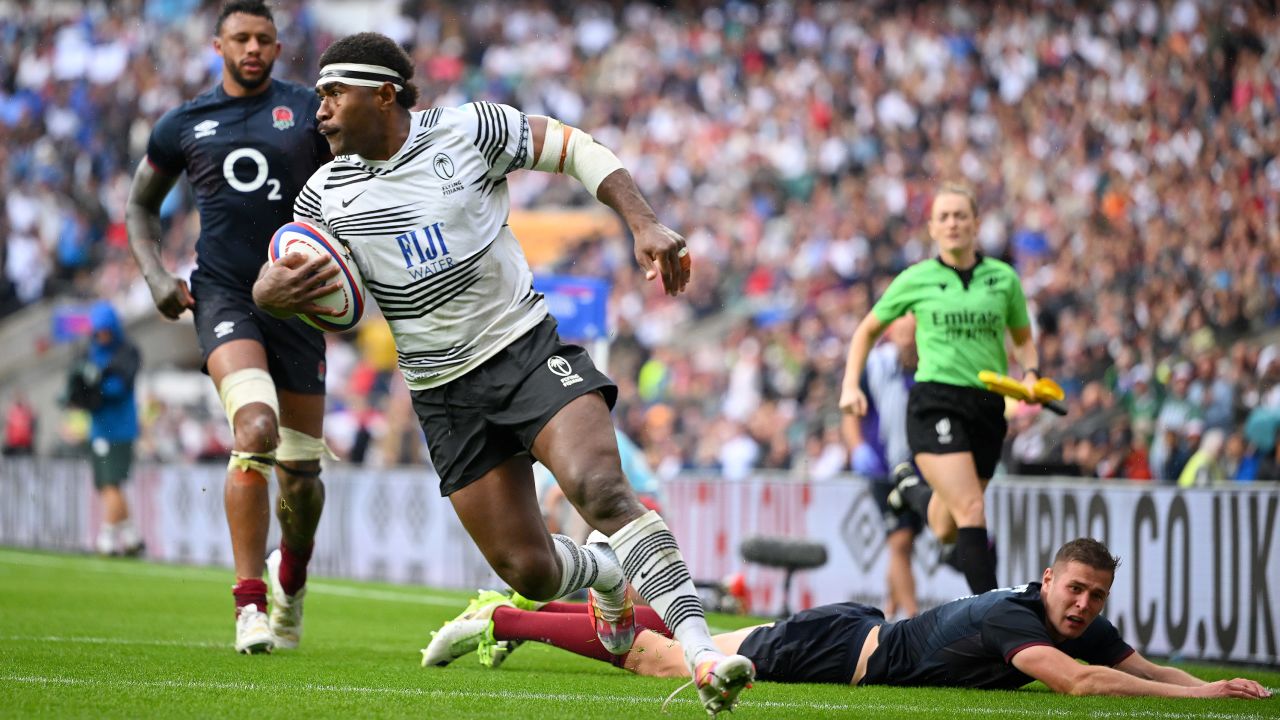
(282, 117)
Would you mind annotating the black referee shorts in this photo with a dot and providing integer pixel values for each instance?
(474, 423)
(819, 645)
(295, 350)
(944, 418)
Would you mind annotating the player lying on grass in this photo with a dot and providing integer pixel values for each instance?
(1001, 639)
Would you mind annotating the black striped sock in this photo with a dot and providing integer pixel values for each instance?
(582, 567)
(577, 568)
(651, 560)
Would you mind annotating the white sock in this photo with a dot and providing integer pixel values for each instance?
(128, 534)
(106, 543)
(651, 560)
(611, 586)
(587, 566)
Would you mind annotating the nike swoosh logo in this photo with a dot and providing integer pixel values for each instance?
(353, 198)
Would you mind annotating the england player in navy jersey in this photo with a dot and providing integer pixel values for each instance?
(420, 199)
(247, 146)
(1001, 639)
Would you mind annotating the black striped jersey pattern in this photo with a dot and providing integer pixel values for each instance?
(428, 229)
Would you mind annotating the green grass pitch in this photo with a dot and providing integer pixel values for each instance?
(87, 637)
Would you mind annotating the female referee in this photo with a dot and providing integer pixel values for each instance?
(963, 303)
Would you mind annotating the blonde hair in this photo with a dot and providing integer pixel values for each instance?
(952, 187)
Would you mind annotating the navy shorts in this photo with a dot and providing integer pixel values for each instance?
(295, 350)
(111, 462)
(819, 645)
(478, 421)
(944, 418)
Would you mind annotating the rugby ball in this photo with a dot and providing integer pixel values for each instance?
(348, 300)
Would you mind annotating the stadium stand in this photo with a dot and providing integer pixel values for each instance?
(1126, 157)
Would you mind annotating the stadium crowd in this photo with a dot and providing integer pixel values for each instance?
(1126, 158)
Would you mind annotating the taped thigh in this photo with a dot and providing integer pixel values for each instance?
(245, 387)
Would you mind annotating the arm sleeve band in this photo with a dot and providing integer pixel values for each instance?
(568, 150)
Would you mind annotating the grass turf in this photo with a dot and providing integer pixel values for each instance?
(87, 637)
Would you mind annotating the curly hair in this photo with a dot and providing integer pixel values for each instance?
(248, 7)
(1087, 551)
(375, 49)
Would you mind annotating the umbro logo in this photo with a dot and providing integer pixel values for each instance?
(224, 328)
(943, 286)
(205, 129)
(353, 198)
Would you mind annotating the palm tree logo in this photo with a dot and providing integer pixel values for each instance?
(443, 166)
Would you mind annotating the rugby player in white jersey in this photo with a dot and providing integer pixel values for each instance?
(420, 199)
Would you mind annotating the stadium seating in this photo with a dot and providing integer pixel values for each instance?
(1126, 158)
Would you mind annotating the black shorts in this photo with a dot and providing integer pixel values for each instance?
(944, 418)
(494, 412)
(819, 645)
(295, 350)
(893, 520)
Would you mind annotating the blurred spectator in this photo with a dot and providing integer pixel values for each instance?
(1168, 452)
(1183, 446)
(1205, 467)
(1212, 393)
(102, 382)
(19, 426)
(1140, 399)
(1137, 458)
(1240, 460)
(1133, 148)
(1269, 464)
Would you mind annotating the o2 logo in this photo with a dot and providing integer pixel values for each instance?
(260, 177)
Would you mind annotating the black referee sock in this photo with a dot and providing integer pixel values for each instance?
(975, 559)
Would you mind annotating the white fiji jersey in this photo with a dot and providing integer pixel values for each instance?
(428, 230)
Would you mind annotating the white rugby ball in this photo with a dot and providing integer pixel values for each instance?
(348, 300)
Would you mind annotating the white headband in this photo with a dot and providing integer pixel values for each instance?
(359, 74)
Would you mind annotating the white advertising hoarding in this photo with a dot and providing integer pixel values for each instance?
(1195, 579)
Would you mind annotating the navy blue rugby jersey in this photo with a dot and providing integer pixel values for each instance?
(970, 642)
(247, 158)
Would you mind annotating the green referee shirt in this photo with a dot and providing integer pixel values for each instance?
(961, 317)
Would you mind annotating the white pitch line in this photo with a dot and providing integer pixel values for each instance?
(562, 698)
(104, 566)
(427, 598)
(418, 598)
(558, 698)
(114, 641)
(143, 569)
